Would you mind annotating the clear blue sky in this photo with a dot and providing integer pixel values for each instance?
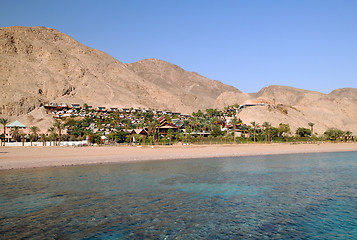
(308, 44)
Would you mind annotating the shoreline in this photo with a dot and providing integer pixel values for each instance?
(44, 157)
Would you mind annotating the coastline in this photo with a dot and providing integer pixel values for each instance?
(38, 157)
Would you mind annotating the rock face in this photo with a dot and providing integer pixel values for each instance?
(40, 65)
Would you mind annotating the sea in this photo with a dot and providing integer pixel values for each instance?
(299, 196)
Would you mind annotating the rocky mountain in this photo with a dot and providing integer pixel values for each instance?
(349, 93)
(39, 65)
(299, 107)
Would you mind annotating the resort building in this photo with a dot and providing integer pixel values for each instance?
(139, 131)
(75, 105)
(16, 125)
(165, 125)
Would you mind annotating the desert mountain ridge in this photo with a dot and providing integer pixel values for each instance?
(39, 65)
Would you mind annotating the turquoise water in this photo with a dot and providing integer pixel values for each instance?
(305, 196)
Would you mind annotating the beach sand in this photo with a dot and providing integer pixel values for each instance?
(34, 157)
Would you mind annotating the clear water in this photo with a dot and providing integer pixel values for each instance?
(306, 196)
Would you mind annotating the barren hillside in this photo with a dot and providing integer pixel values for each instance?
(349, 93)
(336, 109)
(39, 65)
(186, 88)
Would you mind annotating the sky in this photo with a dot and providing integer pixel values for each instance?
(251, 44)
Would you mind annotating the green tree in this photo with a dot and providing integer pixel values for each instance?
(70, 123)
(348, 134)
(157, 126)
(283, 128)
(179, 136)
(32, 138)
(15, 132)
(199, 113)
(234, 122)
(217, 131)
(79, 129)
(188, 132)
(266, 126)
(52, 133)
(120, 136)
(35, 130)
(170, 134)
(254, 125)
(303, 132)
(126, 122)
(333, 133)
(311, 124)
(59, 126)
(95, 138)
(4, 122)
(273, 132)
(212, 112)
(168, 118)
(148, 116)
(209, 112)
(43, 137)
(23, 135)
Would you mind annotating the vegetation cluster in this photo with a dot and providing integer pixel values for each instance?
(210, 127)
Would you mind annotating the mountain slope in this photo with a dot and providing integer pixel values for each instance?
(40, 65)
(303, 106)
(189, 88)
(349, 93)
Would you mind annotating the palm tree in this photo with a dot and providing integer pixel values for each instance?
(15, 132)
(249, 130)
(22, 134)
(51, 130)
(151, 130)
(234, 122)
(126, 122)
(212, 123)
(32, 137)
(170, 134)
(4, 122)
(254, 129)
(35, 131)
(43, 137)
(157, 125)
(311, 124)
(59, 126)
(266, 125)
(188, 131)
(348, 134)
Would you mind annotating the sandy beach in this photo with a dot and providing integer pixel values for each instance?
(34, 157)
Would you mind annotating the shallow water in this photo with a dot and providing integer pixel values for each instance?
(305, 196)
